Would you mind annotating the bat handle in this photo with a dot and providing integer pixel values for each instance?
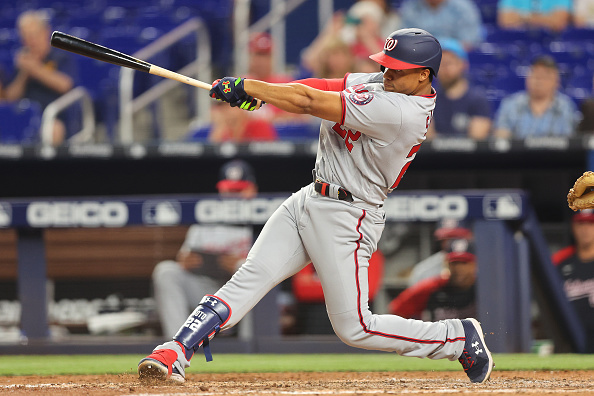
(159, 71)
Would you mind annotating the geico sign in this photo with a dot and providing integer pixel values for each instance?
(426, 207)
(73, 214)
(254, 211)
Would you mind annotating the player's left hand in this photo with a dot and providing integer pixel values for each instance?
(230, 90)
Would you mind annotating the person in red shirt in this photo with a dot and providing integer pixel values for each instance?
(261, 68)
(448, 296)
(236, 125)
(309, 295)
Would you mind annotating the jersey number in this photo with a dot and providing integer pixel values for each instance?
(348, 136)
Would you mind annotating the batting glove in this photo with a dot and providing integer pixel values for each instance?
(230, 90)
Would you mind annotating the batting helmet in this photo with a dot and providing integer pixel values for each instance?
(410, 49)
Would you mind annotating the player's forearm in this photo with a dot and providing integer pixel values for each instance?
(293, 98)
(297, 98)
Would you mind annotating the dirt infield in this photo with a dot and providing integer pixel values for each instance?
(575, 383)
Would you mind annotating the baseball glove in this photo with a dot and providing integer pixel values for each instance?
(581, 196)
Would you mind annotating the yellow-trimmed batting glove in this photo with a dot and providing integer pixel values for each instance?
(230, 90)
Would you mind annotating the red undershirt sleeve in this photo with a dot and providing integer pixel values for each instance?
(328, 84)
(324, 84)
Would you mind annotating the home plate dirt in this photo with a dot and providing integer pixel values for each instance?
(574, 383)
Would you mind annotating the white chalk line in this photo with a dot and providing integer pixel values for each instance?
(314, 392)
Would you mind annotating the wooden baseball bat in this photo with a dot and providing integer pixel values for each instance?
(86, 48)
(82, 47)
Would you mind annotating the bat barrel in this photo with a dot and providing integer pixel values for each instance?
(82, 47)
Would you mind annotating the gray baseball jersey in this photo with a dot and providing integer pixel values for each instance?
(380, 134)
(366, 153)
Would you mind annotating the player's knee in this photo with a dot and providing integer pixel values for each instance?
(352, 336)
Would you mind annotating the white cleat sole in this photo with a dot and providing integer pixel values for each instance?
(152, 371)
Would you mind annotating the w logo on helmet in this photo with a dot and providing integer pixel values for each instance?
(390, 44)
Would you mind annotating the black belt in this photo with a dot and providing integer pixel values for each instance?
(327, 189)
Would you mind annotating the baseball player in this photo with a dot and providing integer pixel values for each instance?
(372, 127)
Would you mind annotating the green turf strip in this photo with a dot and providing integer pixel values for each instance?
(115, 364)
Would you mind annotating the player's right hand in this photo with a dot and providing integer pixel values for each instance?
(230, 90)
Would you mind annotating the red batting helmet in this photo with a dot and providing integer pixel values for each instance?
(410, 49)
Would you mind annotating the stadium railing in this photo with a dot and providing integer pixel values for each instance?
(200, 67)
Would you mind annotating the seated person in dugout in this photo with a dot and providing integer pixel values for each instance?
(576, 266)
(209, 256)
(448, 296)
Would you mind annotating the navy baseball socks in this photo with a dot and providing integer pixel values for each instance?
(476, 358)
(169, 360)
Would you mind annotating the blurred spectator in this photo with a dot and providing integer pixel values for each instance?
(260, 62)
(235, 125)
(336, 59)
(360, 29)
(391, 19)
(43, 73)
(554, 15)
(540, 110)
(209, 256)
(448, 296)
(261, 68)
(462, 110)
(583, 13)
(457, 19)
(434, 265)
(311, 315)
(363, 29)
(576, 266)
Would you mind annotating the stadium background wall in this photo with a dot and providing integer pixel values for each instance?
(546, 172)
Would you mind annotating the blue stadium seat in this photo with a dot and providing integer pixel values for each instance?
(496, 60)
(486, 73)
(198, 135)
(495, 96)
(488, 10)
(92, 22)
(479, 79)
(520, 36)
(568, 52)
(578, 94)
(296, 131)
(156, 17)
(20, 122)
(7, 22)
(577, 34)
(6, 65)
(509, 84)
